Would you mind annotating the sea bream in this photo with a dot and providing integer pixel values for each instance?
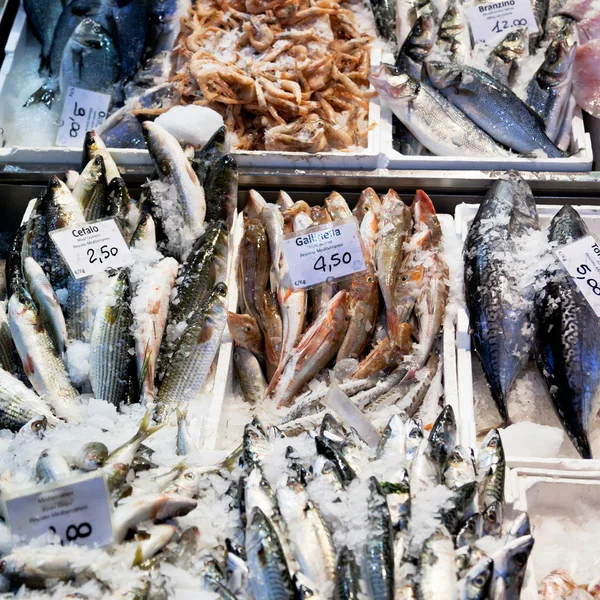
(566, 346)
(499, 313)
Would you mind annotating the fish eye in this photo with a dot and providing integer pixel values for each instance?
(248, 329)
(404, 279)
(418, 30)
(479, 581)
(552, 57)
(190, 476)
(520, 558)
(492, 517)
(370, 279)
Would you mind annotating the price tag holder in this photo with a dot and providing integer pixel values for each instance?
(92, 247)
(77, 510)
(83, 111)
(581, 259)
(325, 253)
(492, 19)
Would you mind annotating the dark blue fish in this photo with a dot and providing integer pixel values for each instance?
(43, 16)
(567, 343)
(499, 315)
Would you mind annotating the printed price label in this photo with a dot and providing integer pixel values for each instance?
(93, 247)
(83, 110)
(323, 253)
(492, 19)
(581, 259)
(78, 511)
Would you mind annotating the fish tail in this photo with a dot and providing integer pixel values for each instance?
(145, 430)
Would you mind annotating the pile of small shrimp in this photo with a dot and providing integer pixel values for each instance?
(286, 75)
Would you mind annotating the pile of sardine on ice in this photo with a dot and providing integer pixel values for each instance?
(517, 311)
(319, 515)
(511, 95)
(286, 338)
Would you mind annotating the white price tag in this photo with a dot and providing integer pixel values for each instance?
(493, 19)
(581, 259)
(77, 510)
(83, 111)
(93, 247)
(323, 253)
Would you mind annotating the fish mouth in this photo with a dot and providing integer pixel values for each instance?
(389, 81)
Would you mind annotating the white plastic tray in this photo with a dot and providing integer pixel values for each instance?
(366, 158)
(464, 215)
(228, 432)
(581, 144)
(546, 497)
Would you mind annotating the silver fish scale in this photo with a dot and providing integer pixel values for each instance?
(44, 368)
(193, 358)
(18, 404)
(111, 342)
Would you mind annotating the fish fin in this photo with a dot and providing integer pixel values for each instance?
(144, 370)
(45, 94)
(145, 430)
(139, 557)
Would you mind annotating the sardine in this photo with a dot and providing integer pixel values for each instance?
(269, 575)
(92, 456)
(149, 506)
(437, 568)
(347, 583)
(119, 460)
(509, 567)
(478, 580)
(52, 466)
(379, 550)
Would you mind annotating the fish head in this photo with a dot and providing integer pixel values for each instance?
(319, 215)
(559, 58)
(368, 202)
(254, 205)
(510, 562)
(332, 429)
(451, 22)
(443, 75)
(492, 518)
(393, 84)
(421, 38)
(245, 330)
(567, 226)
(478, 579)
(471, 531)
(514, 45)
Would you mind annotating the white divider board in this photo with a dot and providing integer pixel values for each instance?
(547, 497)
(464, 215)
(365, 158)
(223, 382)
(224, 431)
